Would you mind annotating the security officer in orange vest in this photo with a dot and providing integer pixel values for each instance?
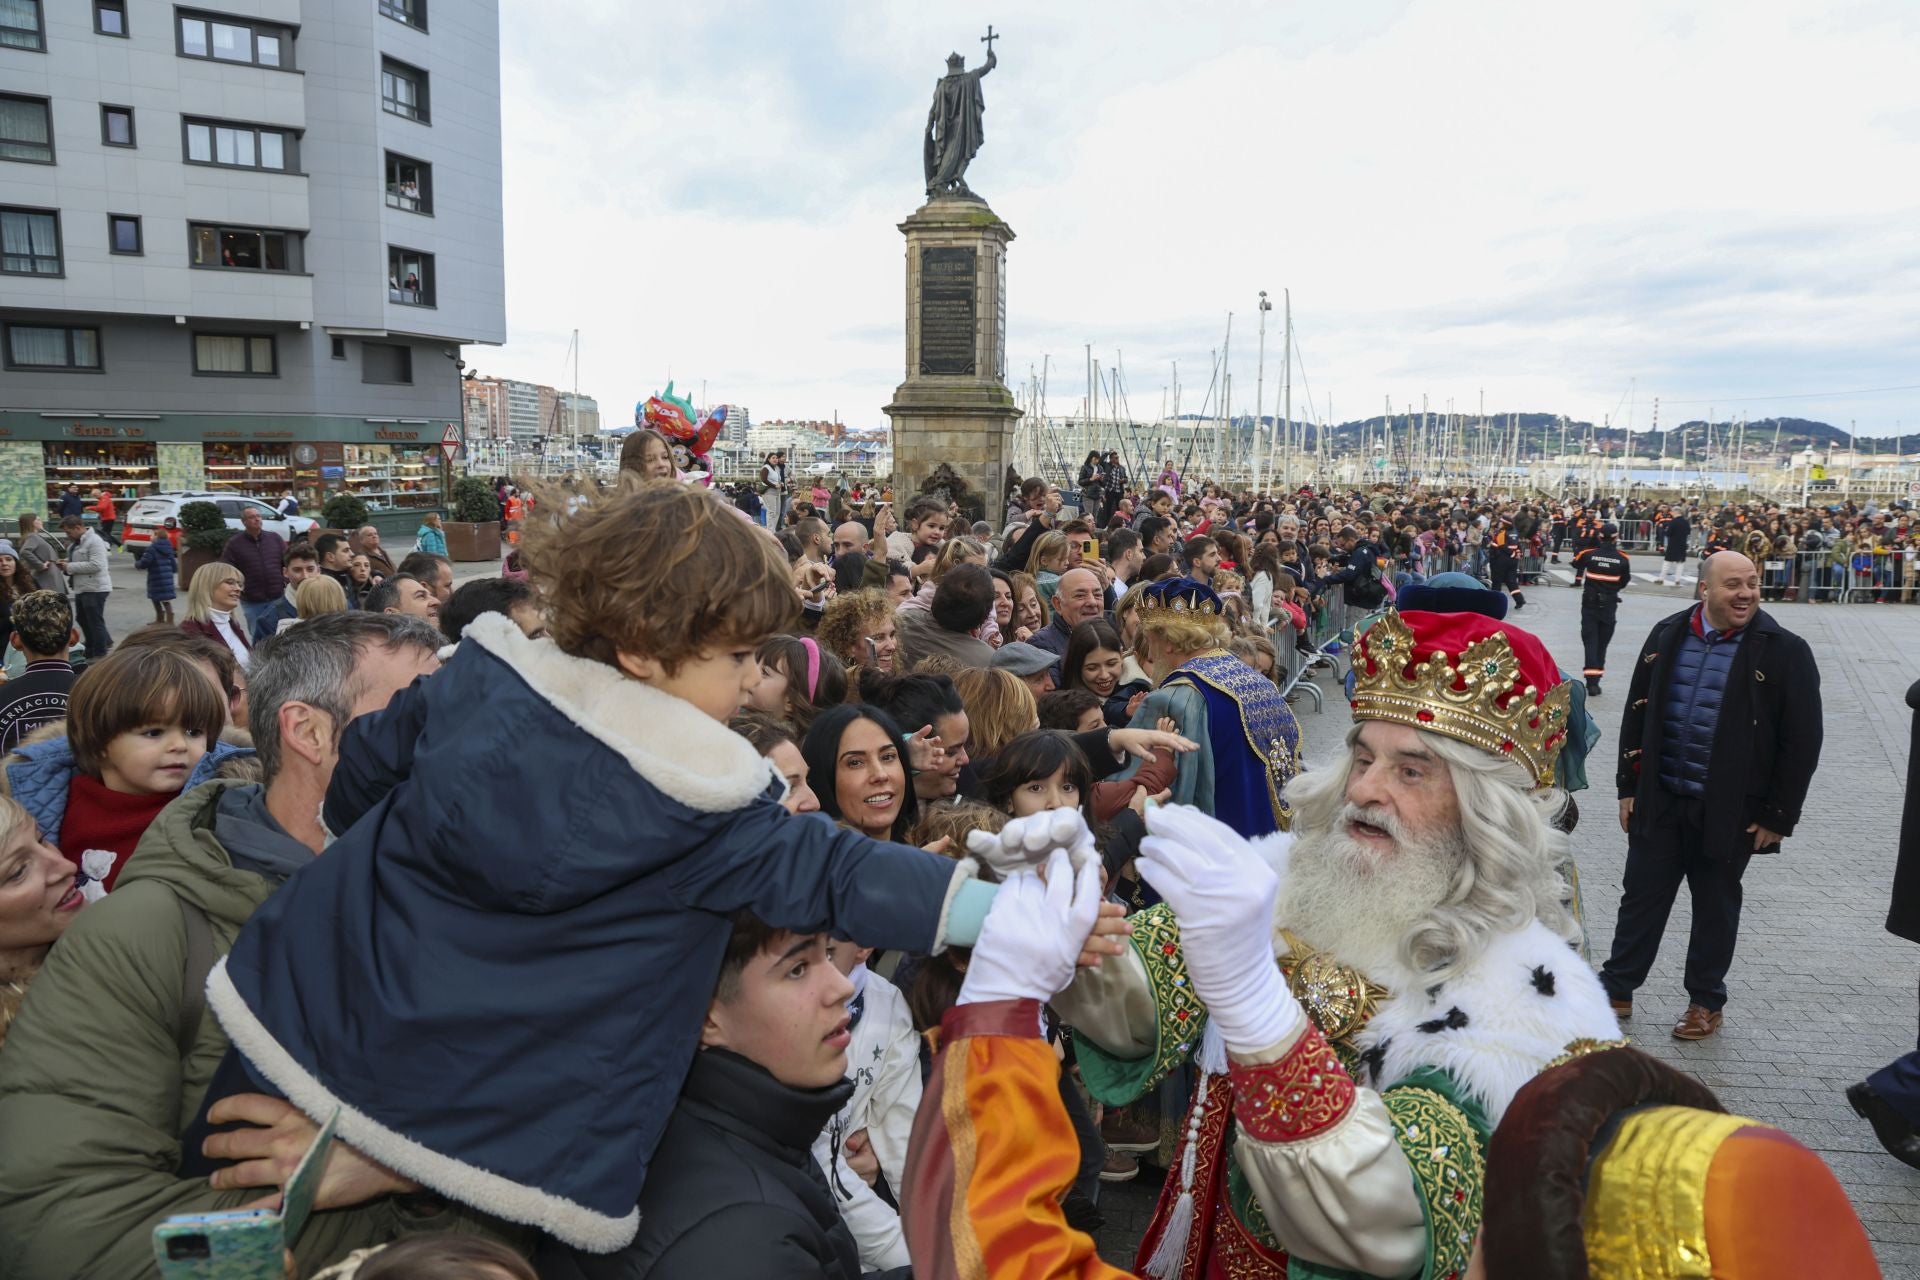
(1607, 572)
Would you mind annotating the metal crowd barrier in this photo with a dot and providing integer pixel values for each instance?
(1887, 575)
(1296, 665)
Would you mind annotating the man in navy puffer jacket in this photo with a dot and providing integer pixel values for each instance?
(1718, 746)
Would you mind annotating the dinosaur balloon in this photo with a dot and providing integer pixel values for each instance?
(673, 417)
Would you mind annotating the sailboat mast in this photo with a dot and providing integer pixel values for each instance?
(1286, 384)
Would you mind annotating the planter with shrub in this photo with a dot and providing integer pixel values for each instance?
(473, 530)
(344, 511)
(204, 536)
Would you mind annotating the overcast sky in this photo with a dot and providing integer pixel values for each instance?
(1712, 203)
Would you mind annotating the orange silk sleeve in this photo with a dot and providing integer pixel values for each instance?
(1774, 1211)
(992, 1154)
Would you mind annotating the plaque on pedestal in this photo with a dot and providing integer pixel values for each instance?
(946, 310)
(954, 408)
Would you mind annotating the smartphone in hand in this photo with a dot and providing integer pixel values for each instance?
(243, 1244)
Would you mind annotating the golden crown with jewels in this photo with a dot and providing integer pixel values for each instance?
(1180, 596)
(1469, 677)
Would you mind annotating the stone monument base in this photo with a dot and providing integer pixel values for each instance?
(968, 429)
(954, 407)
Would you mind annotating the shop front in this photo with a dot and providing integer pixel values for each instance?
(397, 467)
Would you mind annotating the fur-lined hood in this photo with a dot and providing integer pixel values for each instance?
(525, 911)
(679, 749)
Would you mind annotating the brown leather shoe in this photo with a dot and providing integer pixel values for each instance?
(1697, 1023)
(1622, 1009)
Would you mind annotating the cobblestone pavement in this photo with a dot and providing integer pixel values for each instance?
(1821, 994)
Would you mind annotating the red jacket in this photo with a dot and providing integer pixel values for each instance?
(105, 506)
(196, 628)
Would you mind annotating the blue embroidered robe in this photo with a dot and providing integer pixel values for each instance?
(1249, 742)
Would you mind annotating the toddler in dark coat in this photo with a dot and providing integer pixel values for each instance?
(499, 970)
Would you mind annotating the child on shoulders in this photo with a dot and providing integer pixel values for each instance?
(543, 952)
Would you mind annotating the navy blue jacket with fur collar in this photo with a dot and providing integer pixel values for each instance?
(499, 972)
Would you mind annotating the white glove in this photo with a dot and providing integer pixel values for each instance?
(1033, 933)
(1222, 893)
(1025, 842)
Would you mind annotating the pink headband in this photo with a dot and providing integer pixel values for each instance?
(813, 666)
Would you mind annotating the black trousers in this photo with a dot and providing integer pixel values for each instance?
(1899, 1083)
(1657, 862)
(1093, 1149)
(1596, 633)
(90, 611)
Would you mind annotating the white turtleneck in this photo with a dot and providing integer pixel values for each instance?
(223, 623)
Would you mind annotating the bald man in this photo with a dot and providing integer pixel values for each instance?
(851, 536)
(1080, 597)
(1717, 748)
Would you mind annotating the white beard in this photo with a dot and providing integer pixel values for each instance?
(1347, 897)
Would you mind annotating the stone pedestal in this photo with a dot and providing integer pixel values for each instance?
(954, 407)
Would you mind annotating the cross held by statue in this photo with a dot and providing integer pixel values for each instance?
(989, 38)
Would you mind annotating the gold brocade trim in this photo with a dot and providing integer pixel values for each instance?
(1440, 1144)
(1156, 936)
(1281, 757)
(968, 1261)
(1246, 1244)
(1580, 1049)
(1338, 998)
(1646, 1214)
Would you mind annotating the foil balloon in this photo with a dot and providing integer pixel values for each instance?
(691, 440)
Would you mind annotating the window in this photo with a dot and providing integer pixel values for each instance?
(21, 26)
(110, 17)
(403, 89)
(123, 233)
(244, 248)
(223, 39)
(116, 125)
(384, 362)
(410, 277)
(339, 348)
(409, 183)
(34, 346)
(26, 127)
(30, 242)
(411, 12)
(233, 355)
(242, 146)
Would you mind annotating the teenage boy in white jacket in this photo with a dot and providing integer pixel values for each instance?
(883, 1061)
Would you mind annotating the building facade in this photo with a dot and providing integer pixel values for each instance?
(241, 249)
(579, 415)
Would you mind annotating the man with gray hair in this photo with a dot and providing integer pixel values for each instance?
(106, 1064)
(1364, 993)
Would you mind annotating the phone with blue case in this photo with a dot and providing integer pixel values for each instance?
(243, 1244)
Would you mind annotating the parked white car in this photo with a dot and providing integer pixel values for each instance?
(149, 514)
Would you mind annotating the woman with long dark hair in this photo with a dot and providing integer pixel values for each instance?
(858, 768)
(1096, 661)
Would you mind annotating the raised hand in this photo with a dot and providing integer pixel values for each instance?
(1034, 932)
(1025, 842)
(1223, 895)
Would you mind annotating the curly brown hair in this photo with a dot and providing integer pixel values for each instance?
(845, 619)
(665, 570)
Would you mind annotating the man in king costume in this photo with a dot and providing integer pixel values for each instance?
(1364, 996)
(1249, 741)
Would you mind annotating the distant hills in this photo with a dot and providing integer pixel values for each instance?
(1540, 435)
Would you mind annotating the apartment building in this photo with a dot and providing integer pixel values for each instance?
(225, 228)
